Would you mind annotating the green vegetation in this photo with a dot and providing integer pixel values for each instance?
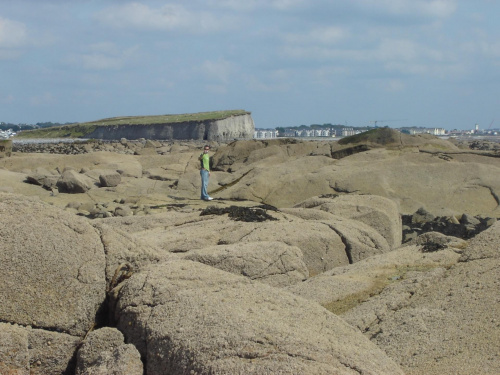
(380, 282)
(382, 136)
(80, 130)
(167, 119)
(67, 131)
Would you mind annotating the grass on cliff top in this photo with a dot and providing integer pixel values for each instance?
(81, 129)
(167, 119)
(66, 131)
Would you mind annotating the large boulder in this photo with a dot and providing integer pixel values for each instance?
(51, 267)
(321, 246)
(381, 213)
(41, 176)
(73, 182)
(24, 350)
(186, 317)
(359, 240)
(110, 179)
(104, 352)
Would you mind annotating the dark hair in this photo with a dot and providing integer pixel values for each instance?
(206, 146)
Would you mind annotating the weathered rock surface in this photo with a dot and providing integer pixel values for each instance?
(24, 350)
(226, 324)
(426, 173)
(51, 267)
(382, 214)
(104, 352)
(360, 240)
(124, 254)
(272, 263)
(450, 324)
(430, 312)
(322, 247)
(343, 288)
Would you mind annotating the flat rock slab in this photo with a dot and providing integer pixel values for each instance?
(270, 262)
(186, 317)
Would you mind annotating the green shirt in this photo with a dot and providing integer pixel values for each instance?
(205, 161)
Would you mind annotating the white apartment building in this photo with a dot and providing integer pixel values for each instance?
(347, 132)
(433, 131)
(265, 133)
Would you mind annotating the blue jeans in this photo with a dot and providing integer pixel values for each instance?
(204, 183)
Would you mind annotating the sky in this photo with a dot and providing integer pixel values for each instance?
(397, 63)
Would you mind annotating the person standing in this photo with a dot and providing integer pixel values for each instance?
(205, 173)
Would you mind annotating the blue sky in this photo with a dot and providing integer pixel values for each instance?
(432, 63)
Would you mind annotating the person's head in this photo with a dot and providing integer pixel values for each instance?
(206, 149)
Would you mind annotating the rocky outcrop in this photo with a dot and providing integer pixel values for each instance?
(450, 315)
(236, 286)
(185, 317)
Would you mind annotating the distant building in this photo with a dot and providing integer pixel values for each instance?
(420, 130)
(5, 134)
(314, 133)
(265, 133)
(347, 132)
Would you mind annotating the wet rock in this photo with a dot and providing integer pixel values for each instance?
(237, 213)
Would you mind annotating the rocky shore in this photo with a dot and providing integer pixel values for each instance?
(313, 258)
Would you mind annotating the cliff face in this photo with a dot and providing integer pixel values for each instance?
(240, 126)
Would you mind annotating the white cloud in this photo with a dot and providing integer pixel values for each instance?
(100, 62)
(319, 35)
(220, 70)
(168, 17)
(279, 80)
(248, 5)
(398, 49)
(7, 99)
(216, 89)
(12, 33)
(43, 99)
(433, 8)
(104, 56)
(394, 85)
